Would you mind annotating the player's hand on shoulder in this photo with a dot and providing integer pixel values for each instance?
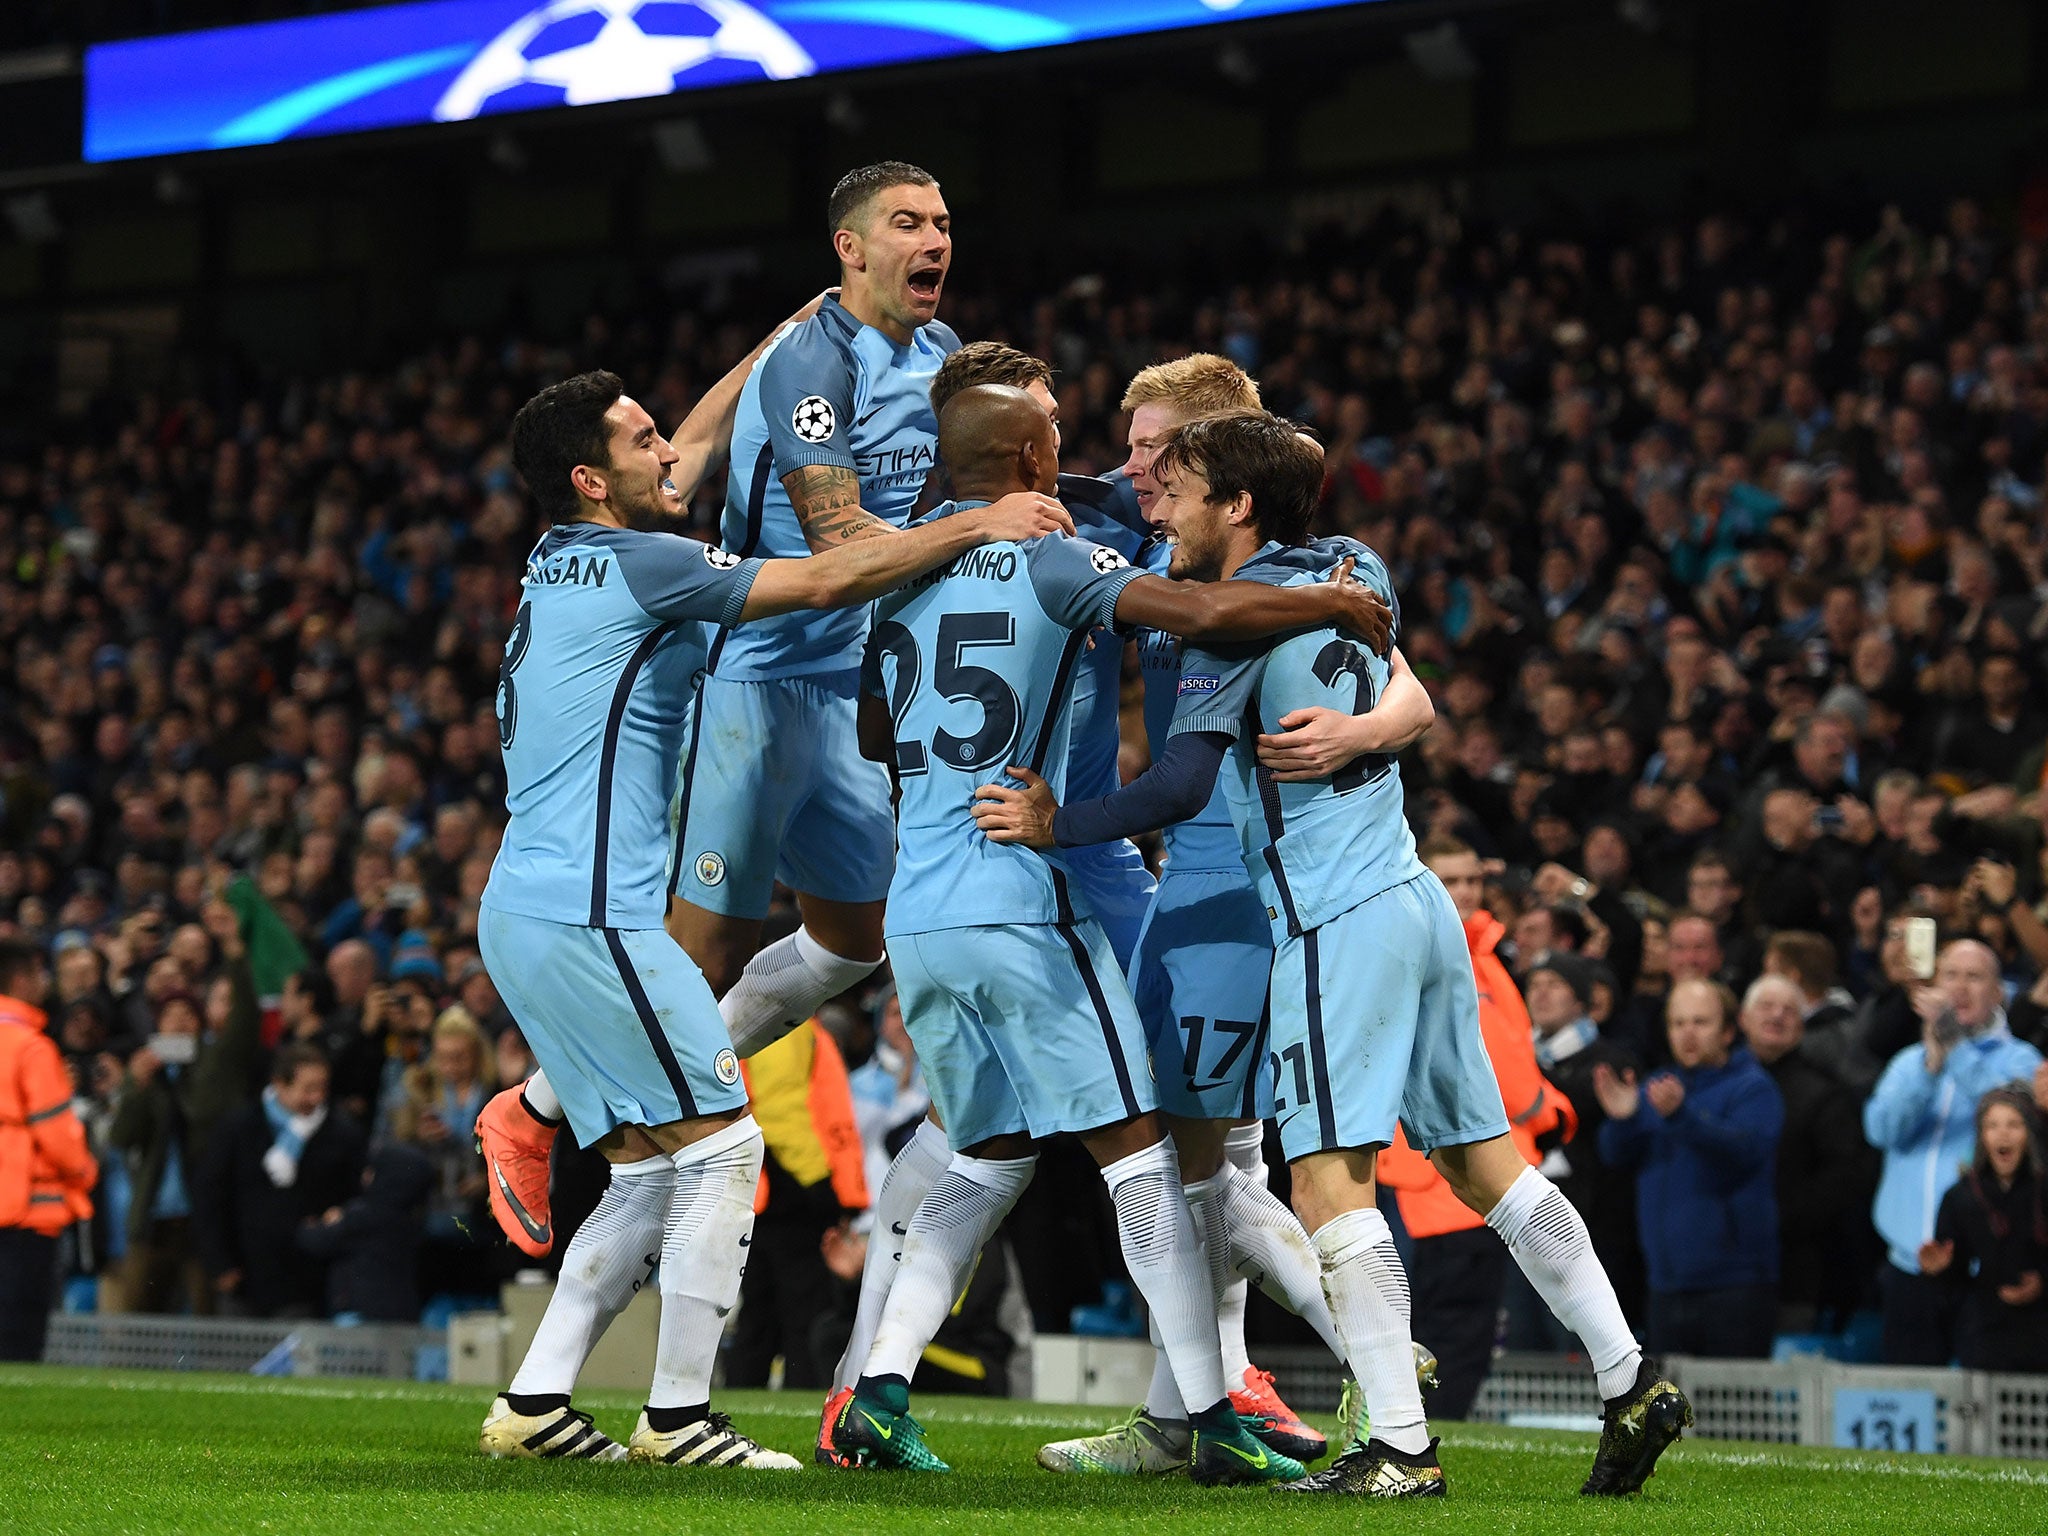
(1024, 815)
(1362, 611)
(1020, 517)
(1314, 743)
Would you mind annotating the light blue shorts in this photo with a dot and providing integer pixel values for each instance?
(621, 1019)
(1112, 877)
(773, 787)
(1022, 1027)
(1205, 956)
(1376, 1018)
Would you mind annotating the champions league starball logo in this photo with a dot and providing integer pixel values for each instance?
(577, 52)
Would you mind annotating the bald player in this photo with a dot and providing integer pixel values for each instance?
(1009, 986)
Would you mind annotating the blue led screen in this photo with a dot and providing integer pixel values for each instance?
(451, 60)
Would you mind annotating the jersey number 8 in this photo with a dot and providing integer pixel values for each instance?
(515, 652)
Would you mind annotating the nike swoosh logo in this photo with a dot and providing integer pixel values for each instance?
(898, 1228)
(1258, 1465)
(746, 1242)
(533, 1228)
(886, 1434)
(871, 415)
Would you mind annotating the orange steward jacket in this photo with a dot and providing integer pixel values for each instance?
(45, 1167)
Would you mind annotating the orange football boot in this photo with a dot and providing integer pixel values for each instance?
(1272, 1421)
(515, 1143)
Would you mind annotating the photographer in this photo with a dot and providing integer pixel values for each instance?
(1922, 1117)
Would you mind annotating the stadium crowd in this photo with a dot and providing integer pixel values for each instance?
(1722, 553)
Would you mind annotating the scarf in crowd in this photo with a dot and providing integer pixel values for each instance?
(289, 1135)
(1568, 1041)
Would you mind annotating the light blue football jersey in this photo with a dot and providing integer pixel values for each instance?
(1316, 849)
(829, 390)
(606, 647)
(1105, 512)
(977, 661)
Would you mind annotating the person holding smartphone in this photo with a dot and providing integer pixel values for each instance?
(176, 1089)
(1922, 1116)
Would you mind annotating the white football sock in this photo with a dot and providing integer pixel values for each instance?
(1167, 1265)
(1162, 1397)
(1368, 1294)
(1230, 1332)
(703, 1254)
(1268, 1244)
(1548, 1238)
(783, 985)
(1244, 1148)
(540, 1093)
(605, 1263)
(1205, 1209)
(961, 1213)
(909, 1179)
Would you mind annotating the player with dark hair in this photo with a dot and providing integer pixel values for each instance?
(832, 438)
(1008, 983)
(1390, 1034)
(610, 634)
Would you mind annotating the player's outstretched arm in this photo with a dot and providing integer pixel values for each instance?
(1315, 743)
(863, 569)
(1212, 612)
(705, 437)
(1175, 787)
(826, 500)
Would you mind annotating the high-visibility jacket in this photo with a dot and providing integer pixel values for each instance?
(1535, 1107)
(45, 1167)
(804, 1106)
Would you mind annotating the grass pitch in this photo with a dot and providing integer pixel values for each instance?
(106, 1452)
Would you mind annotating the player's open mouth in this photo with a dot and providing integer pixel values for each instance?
(925, 281)
(668, 488)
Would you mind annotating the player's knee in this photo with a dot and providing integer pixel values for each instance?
(1324, 1185)
(851, 930)
(1479, 1174)
(1199, 1144)
(1113, 1143)
(1002, 1149)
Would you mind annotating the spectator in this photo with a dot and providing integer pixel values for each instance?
(513, 1061)
(1458, 1267)
(370, 1245)
(1694, 947)
(1705, 1137)
(1991, 1240)
(178, 1089)
(1826, 1171)
(274, 1164)
(1922, 1116)
(439, 1096)
(889, 1096)
(1712, 892)
(46, 1171)
(1985, 744)
(1570, 1050)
